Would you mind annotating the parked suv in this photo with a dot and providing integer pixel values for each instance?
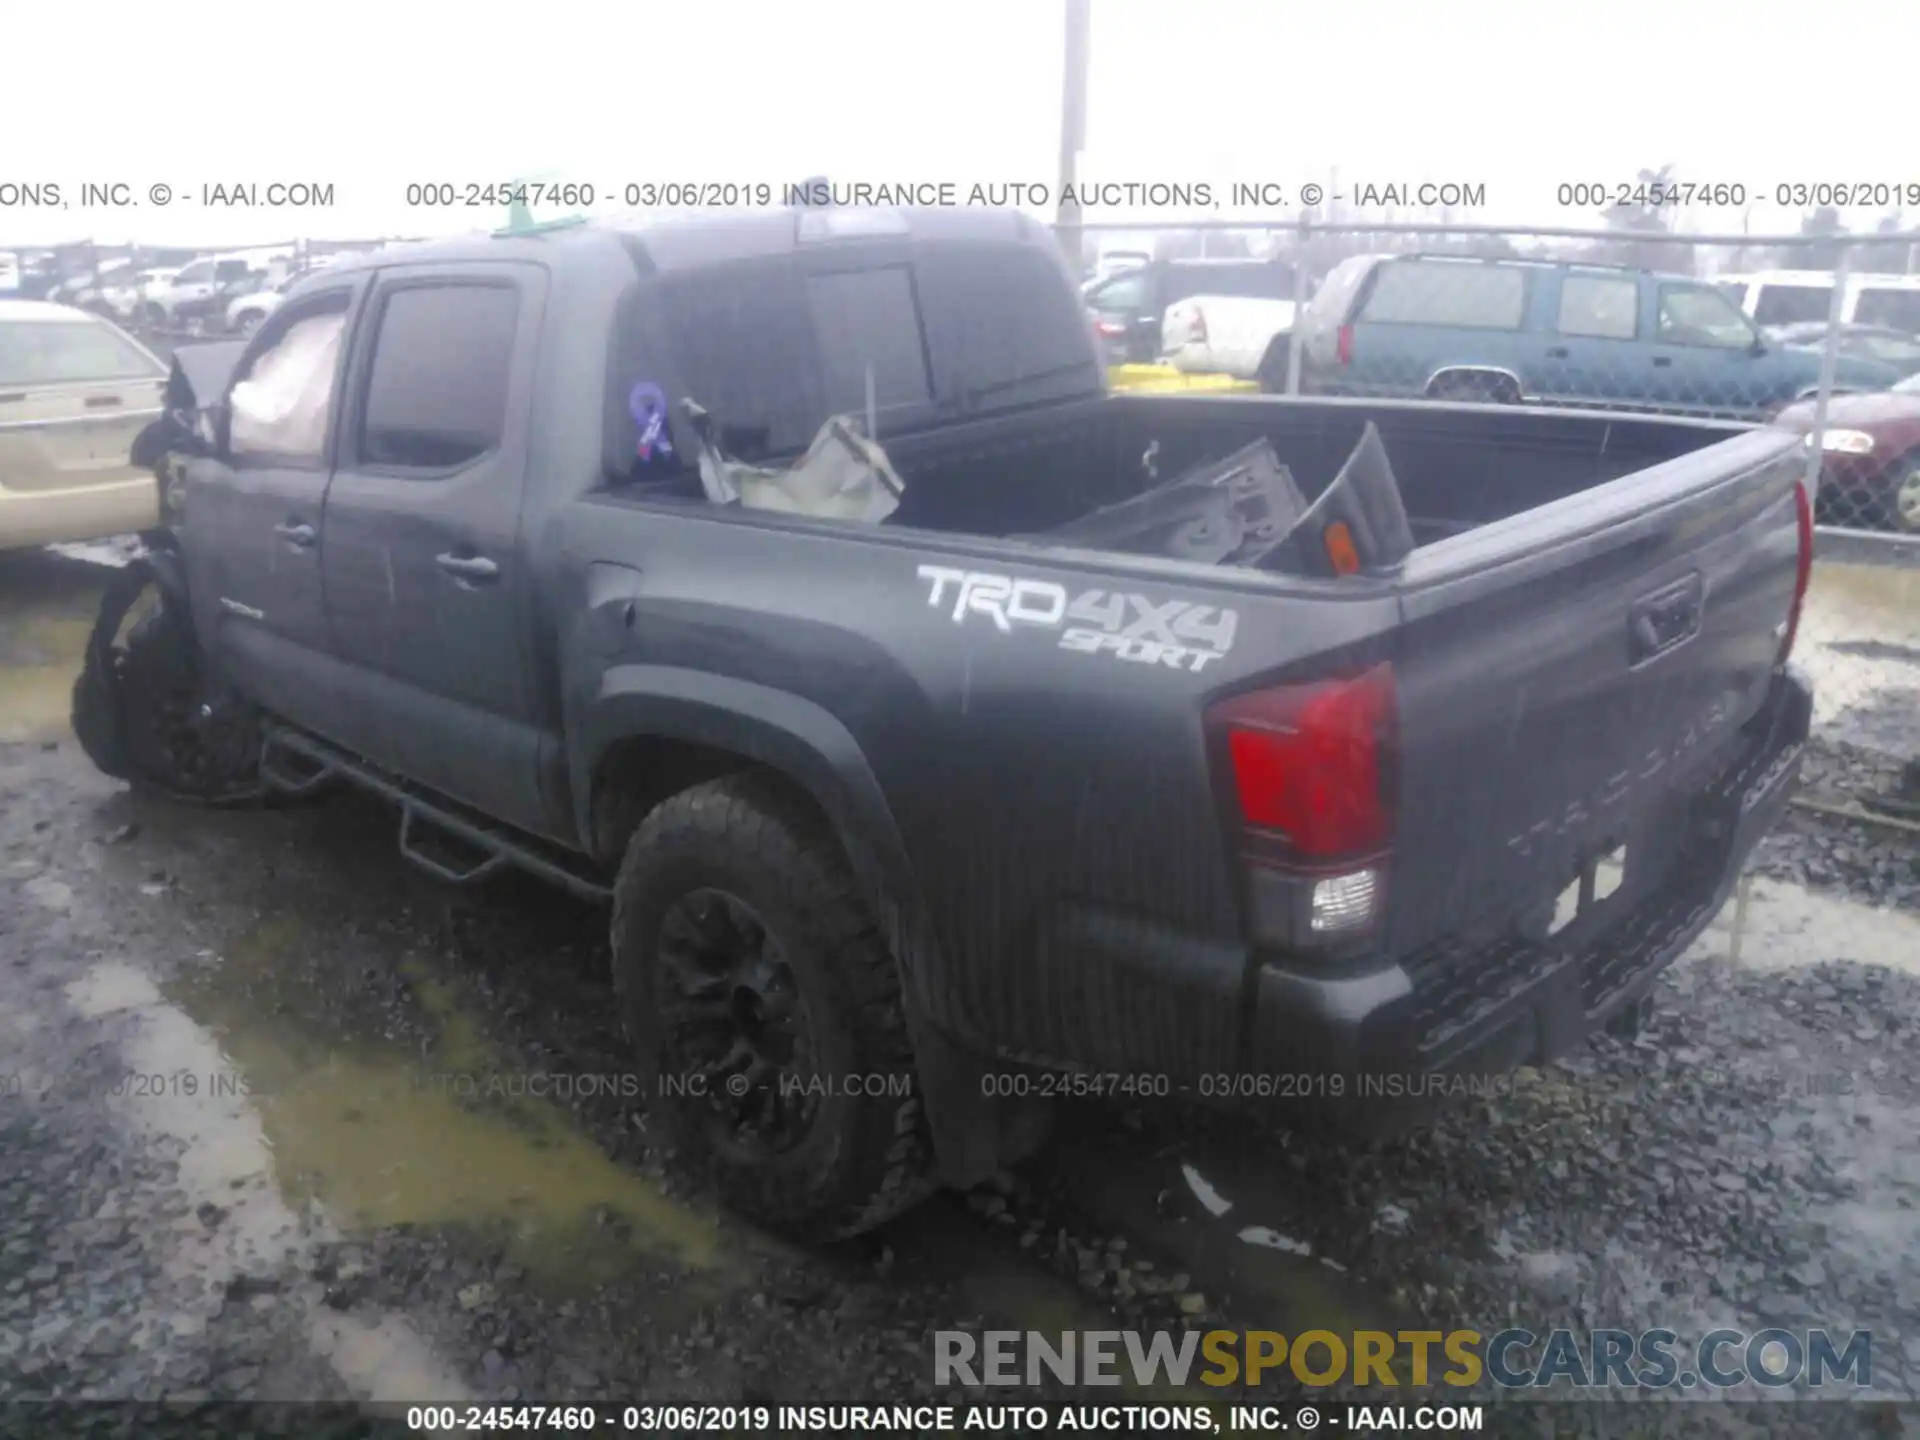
(1449, 327)
(1798, 297)
(1127, 308)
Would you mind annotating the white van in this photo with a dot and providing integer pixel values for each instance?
(1796, 297)
(9, 273)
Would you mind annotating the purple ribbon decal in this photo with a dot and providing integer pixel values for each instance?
(647, 403)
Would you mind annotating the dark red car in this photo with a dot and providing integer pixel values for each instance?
(1871, 478)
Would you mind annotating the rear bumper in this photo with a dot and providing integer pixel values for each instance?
(1379, 1049)
(47, 517)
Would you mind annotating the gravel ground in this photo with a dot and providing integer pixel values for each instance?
(360, 1199)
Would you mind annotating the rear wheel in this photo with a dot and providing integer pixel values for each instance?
(766, 1010)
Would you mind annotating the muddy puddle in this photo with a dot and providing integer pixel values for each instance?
(46, 612)
(426, 1123)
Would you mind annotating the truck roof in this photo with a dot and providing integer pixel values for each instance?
(691, 240)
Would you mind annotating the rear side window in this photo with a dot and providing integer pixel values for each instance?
(1601, 307)
(437, 389)
(62, 352)
(1896, 309)
(1792, 304)
(1418, 292)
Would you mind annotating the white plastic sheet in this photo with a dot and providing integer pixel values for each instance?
(281, 407)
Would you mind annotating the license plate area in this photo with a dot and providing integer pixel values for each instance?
(1589, 900)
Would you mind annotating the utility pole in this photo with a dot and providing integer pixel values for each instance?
(1073, 127)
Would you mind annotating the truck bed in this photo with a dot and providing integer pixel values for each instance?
(1459, 467)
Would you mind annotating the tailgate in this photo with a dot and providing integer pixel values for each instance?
(1569, 676)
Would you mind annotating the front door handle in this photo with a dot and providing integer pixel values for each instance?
(1557, 352)
(296, 534)
(1662, 360)
(475, 569)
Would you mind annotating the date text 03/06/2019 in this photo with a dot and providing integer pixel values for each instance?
(926, 1418)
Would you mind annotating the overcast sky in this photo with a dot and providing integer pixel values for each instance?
(1520, 97)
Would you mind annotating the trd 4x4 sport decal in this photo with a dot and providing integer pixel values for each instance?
(1174, 633)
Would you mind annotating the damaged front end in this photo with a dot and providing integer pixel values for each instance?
(143, 708)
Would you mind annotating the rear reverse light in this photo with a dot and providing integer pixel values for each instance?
(1343, 345)
(1803, 573)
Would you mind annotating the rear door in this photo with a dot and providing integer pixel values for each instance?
(253, 513)
(1593, 353)
(1707, 358)
(426, 583)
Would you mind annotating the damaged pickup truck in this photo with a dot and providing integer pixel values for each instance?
(928, 713)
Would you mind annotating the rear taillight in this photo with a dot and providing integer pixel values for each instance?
(1343, 345)
(1803, 574)
(1197, 328)
(1310, 769)
(1109, 329)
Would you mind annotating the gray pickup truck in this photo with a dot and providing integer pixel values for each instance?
(937, 722)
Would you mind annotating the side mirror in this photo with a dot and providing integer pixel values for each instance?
(1758, 347)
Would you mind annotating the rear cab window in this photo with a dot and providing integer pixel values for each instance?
(773, 347)
(1463, 294)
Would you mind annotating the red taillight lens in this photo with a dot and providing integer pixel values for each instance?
(1197, 327)
(1109, 329)
(1343, 345)
(1310, 762)
(1803, 515)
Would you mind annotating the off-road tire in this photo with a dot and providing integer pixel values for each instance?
(863, 1158)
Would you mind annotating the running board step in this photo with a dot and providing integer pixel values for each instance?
(296, 763)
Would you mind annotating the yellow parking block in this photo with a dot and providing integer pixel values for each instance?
(1165, 377)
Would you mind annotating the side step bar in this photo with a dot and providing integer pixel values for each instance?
(297, 764)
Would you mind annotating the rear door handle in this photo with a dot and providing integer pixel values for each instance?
(1662, 360)
(295, 533)
(102, 402)
(1558, 352)
(476, 569)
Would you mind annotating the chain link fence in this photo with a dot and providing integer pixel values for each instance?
(1807, 332)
